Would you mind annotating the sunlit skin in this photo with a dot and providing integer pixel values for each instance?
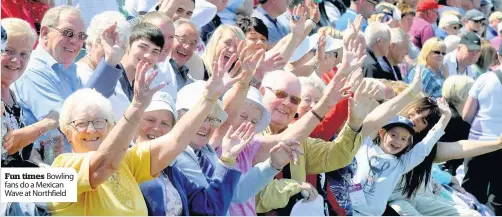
(154, 125)
(394, 140)
(91, 138)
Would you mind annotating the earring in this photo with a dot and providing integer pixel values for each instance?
(296, 116)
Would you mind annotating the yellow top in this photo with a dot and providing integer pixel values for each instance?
(120, 195)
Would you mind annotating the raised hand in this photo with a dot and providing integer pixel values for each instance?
(236, 140)
(268, 64)
(285, 152)
(416, 84)
(168, 7)
(333, 93)
(250, 63)
(142, 81)
(314, 12)
(297, 20)
(221, 79)
(360, 105)
(443, 107)
(113, 48)
(353, 56)
(309, 192)
(324, 63)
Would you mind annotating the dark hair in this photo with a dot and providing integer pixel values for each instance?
(147, 31)
(293, 3)
(247, 24)
(414, 178)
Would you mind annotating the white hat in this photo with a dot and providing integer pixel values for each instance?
(449, 20)
(254, 95)
(451, 42)
(191, 94)
(310, 43)
(162, 101)
(203, 13)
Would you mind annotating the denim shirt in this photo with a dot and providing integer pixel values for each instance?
(45, 85)
(431, 82)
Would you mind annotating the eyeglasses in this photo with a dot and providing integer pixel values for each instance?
(68, 33)
(81, 125)
(282, 95)
(184, 41)
(439, 53)
(215, 122)
(372, 3)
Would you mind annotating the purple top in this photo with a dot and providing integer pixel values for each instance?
(421, 31)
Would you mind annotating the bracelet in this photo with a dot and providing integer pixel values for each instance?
(243, 86)
(128, 120)
(317, 115)
(40, 131)
(208, 99)
(316, 67)
(226, 160)
(312, 21)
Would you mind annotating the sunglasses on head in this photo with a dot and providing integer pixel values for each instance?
(68, 33)
(439, 52)
(282, 95)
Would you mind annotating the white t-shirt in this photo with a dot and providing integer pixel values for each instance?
(487, 123)
(379, 173)
(450, 61)
(166, 74)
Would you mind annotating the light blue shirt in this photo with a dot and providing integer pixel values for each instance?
(349, 15)
(277, 28)
(249, 184)
(46, 84)
(229, 14)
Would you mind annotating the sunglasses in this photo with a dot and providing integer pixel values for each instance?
(282, 95)
(68, 33)
(479, 21)
(439, 52)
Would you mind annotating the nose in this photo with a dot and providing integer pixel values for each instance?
(232, 49)
(91, 128)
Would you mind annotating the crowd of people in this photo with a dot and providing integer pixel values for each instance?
(245, 108)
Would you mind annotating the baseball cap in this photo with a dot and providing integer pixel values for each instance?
(400, 121)
(474, 14)
(471, 40)
(449, 20)
(310, 43)
(162, 101)
(424, 5)
(255, 97)
(191, 94)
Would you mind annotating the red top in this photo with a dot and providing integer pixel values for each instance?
(17, 9)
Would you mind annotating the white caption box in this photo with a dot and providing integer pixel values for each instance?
(38, 185)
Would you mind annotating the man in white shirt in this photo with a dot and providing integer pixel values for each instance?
(467, 53)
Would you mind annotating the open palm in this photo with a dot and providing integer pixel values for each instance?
(236, 140)
(221, 80)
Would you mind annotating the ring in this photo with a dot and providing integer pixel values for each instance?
(296, 18)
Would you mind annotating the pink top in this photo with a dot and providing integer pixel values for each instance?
(244, 163)
(421, 31)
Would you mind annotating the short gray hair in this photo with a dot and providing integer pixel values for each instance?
(51, 17)
(374, 31)
(88, 99)
(313, 81)
(183, 21)
(456, 89)
(398, 36)
(104, 20)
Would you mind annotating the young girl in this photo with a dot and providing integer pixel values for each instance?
(388, 151)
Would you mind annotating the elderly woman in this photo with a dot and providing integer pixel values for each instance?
(17, 144)
(433, 70)
(486, 59)
(108, 170)
(448, 25)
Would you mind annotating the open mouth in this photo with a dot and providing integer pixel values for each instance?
(281, 111)
(12, 68)
(181, 53)
(151, 137)
(201, 134)
(69, 50)
(92, 139)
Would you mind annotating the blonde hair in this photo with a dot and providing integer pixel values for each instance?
(405, 9)
(456, 89)
(497, 15)
(209, 55)
(328, 30)
(429, 46)
(486, 58)
(19, 28)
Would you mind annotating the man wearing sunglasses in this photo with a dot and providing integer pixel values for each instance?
(474, 21)
(467, 53)
(51, 76)
(427, 14)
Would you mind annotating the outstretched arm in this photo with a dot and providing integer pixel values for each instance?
(465, 148)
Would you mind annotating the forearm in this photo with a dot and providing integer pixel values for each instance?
(465, 149)
(167, 147)
(304, 126)
(304, 70)
(107, 159)
(276, 194)
(254, 181)
(104, 79)
(288, 45)
(29, 134)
